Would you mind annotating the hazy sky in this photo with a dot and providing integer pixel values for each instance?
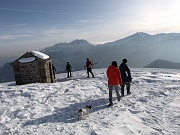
(26, 25)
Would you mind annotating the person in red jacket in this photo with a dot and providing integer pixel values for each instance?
(114, 79)
(88, 66)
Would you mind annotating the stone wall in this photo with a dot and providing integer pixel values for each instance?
(29, 72)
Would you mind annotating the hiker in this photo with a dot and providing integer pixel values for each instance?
(54, 70)
(114, 79)
(68, 69)
(126, 77)
(88, 67)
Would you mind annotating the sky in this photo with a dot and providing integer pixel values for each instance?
(36, 24)
(152, 108)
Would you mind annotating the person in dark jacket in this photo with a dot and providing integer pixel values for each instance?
(126, 77)
(88, 66)
(54, 70)
(68, 69)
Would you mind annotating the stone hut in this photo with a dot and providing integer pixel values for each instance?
(33, 67)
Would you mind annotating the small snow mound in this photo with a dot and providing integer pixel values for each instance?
(40, 55)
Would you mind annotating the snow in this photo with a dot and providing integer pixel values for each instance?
(50, 108)
(40, 55)
(25, 60)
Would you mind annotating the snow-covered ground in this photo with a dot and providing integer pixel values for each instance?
(153, 108)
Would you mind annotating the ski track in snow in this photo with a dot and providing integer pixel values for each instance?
(41, 108)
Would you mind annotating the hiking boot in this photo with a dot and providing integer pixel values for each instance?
(110, 104)
(128, 93)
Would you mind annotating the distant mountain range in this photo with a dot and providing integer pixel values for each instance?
(163, 64)
(4, 60)
(6, 73)
(140, 49)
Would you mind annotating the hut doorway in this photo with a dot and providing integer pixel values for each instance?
(51, 73)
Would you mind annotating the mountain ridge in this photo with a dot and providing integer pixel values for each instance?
(163, 64)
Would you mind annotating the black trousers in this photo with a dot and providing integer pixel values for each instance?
(127, 84)
(68, 73)
(89, 70)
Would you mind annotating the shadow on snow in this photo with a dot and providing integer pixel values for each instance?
(69, 114)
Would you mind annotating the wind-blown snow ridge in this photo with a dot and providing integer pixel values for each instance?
(40, 55)
(50, 109)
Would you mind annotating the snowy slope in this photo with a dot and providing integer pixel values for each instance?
(50, 109)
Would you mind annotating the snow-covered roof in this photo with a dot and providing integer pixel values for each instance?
(25, 60)
(40, 55)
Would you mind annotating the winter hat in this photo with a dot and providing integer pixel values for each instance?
(114, 63)
(124, 60)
